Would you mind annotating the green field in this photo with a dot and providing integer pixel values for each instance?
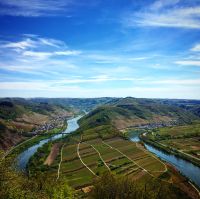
(117, 155)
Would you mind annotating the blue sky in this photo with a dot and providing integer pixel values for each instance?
(97, 48)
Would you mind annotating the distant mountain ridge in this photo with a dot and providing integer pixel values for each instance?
(127, 112)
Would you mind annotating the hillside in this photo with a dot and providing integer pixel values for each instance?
(20, 118)
(131, 112)
(191, 105)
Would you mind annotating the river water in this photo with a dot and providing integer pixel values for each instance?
(185, 167)
(24, 157)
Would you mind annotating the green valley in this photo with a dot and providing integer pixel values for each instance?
(100, 147)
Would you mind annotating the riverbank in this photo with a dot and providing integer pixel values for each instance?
(24, 156)
(170, 150)
(185, 167)
(19, 148)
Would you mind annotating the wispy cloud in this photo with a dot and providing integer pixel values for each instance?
(165, 14)
(188, 62)
(27, 43)
(194, 82)
(44, 55)
(33, 8)
(30, 41)
(160, 4)
(35, 55)
(37, 8)
(108, 58)
(196, 48)
(45, 89)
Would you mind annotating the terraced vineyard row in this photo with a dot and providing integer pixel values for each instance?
(84, 160)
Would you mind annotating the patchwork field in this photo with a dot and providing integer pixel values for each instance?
(82, 161)
(83, 158)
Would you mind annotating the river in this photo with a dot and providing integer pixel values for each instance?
(185, 167)
(23, 158)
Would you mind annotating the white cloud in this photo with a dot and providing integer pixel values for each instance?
(33, 86)
(34, 47)
(36, 8)
(45, 55)
(29, 41)
(108, 58)
(163, 3)
(47, 67)
(24, 44)
(33, 8)
(45, 89)
(103, 58)
(195, 82)
(138, 58)
(52, 42)
(67, 52)
(38, 55)
(196, 48)
(188, 62)
(96, 79)
(177, 17)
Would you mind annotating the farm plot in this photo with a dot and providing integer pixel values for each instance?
(92, 159)
(72, 168)
(116, 162)
(86, 160)
(143, 159)
(187, 145)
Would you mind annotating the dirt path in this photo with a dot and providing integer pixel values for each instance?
(128, 158)
(60, 162)
(101, 157)
(53, 154)
(78, 147)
